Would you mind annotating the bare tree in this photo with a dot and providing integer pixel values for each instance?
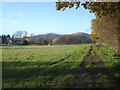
(20, 34)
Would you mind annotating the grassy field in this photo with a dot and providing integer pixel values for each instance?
(65, 66)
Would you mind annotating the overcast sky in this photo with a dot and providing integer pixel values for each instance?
(42, 17)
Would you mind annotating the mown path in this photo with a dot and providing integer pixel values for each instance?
(93, 73)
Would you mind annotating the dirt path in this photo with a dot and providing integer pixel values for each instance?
(91, 73)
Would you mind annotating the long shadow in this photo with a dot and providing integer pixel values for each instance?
(94, 75)
(46, 68)
(21, 69)
(58, 71)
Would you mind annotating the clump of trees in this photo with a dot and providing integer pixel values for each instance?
(41, 40)
(71, 39)
(6, 39)
(18, 38)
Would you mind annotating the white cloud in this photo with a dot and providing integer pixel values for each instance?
(13, 22)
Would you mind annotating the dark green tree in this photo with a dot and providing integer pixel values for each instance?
(4, 39)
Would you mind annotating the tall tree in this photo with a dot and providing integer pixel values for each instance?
(106, 12)
(4, 39)
(107, 30)
(8, 36)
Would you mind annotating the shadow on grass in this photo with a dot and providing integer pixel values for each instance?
(83, 77)
(28, 69)
(97, 77)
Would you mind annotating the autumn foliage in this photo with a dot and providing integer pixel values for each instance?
(105, 28)
(102, 9)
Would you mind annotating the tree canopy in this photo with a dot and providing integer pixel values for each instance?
(102, 9)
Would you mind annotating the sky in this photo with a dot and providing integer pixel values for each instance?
(42, 17)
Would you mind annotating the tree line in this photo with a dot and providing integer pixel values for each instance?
(21, 38)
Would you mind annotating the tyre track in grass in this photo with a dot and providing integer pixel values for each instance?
(90, 77)
(63, 59)
(60, 60)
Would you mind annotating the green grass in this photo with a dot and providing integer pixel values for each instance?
(108, 55)
(112, 61)
(46, 66)
(29, 66)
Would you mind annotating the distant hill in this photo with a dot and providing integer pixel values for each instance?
(47, 35)
(81, 33)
